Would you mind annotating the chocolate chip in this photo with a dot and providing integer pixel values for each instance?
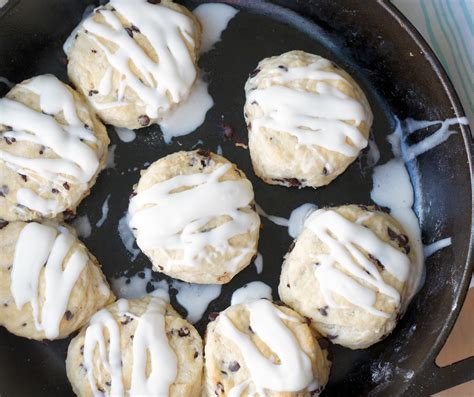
(251, 330)
(23, 325)
(161, 267)
(234, 366)
(24, 177)
(69, 215)
(219, 389)
(66, 186)
(254, 103)
(400, 239)
(292, 182)
(292, 246)
(382, 209)
(128, 281)
(324, 310)
(93, 92)
(9, 141)
(144, 120)
(376, 261)
(288, 285)
(149, 287)
(227, 131)
(223, 372)
(5, 304)
(87, 126)
(54, 190)
(94, 51)
(196, 355)
(141, 274)
(4, 190)
(108, 383)
(135, 29)
(184, 331)
(212, 316)
(8, 128)
(126, 320)
(316, 264)
(68, 315)
(81, 350)
(283, 67)
(129, 31)
(254, 73)
(325, 171)
(41, 152)
(204, 153)
(323, 343)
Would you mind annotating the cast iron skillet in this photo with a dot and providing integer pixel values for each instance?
(401, 77)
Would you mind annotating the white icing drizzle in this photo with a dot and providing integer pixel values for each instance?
(110, 354)
(31, 200)
(7, 82)
(83, 226)
(127, 237)
(313, 118)
(214, 19)
(346, 240)
(37, 246)
(166, 220)
(125, 135)
(258, 261)
(149, 343)
(250, 292)
(392, 188)
(77, 162)
(294, 373)
(105, 212)
(189, 115)
(441, 134)
(135, 287)
(195, 298)
(237, 390)
(432, 248)
(159, 84)
(298, 217)
(277, 220)
(110, 164)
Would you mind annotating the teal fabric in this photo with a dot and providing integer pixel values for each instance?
(448, 26)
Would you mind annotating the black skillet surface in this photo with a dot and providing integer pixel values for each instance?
(400, 76)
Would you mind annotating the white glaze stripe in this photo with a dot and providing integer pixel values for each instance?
(76, 161)
(151, 342)
(347, 242)
(313, 118)
(172, 77)
(293, 373)
(41, 246)
(154, 363)
(165, 219)
(112, 362)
